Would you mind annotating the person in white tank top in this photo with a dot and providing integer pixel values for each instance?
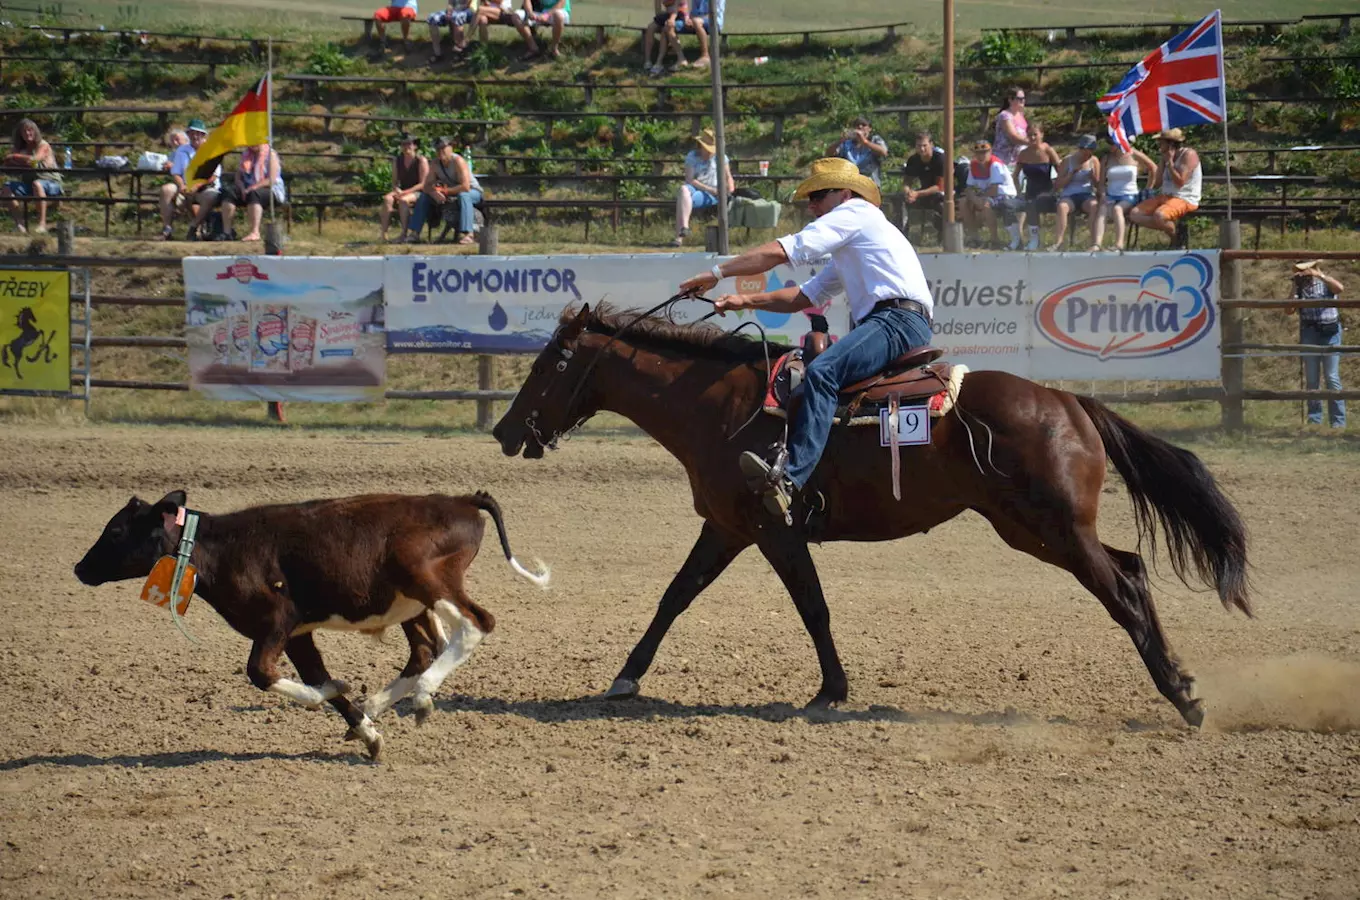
(1121, 191)
(1181, 178)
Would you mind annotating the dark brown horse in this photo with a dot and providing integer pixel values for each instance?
(693, 388)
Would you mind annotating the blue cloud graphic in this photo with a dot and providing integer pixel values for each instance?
(1186, 280)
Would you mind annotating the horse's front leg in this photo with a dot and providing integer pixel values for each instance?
(788, 554)
(711, 554)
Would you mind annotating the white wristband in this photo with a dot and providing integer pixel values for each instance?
(717, 271)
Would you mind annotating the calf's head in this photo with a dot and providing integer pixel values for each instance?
(138, 535)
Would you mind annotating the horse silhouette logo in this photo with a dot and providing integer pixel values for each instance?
(29, 334)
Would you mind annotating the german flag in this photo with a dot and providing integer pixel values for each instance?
(247, 125)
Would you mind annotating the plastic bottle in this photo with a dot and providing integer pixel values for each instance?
(68, 163)
(467, 156)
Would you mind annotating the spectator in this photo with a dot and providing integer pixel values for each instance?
(409, 170)
(667, 13)
(700, 189)
(403, 11)
(556, 13)
(1011, 127)
(1078, 186)
(1320, 326)
(990, 193)
(458, 15)
(177, 194)
(30, 151)
(699, 22)
(1121, 190)
(504, 13)
(1179, 174)
(451, 191)
(1035, 164)
(207, 193)
(862, 147)
(171, 191)
(925, 168)
(259, 177)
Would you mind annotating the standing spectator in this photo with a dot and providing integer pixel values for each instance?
(667, 14)
(1320, 326)
(457, 17)
(1180, 175)
(409, 170)
(450, 191)
(1121, 190)
(925, 168)
(180, 193)
(259, 177)
(990, 193)
(403, 11)
(1035, 164)
(700, 189)
(1011, 127)
(1078, 186)
(862, 147)
(30, 151)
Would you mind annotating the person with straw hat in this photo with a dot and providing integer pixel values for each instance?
(1320, 326)
(875, 266)
(700, 189)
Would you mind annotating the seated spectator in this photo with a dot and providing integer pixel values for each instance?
(700, 189)
(504, 13)
(673, 18)
(862, 147)
(925, 169)
(556, 13)
(259, 177)
(409, 171)
(30, 151)
(1078, 185)
(458, 15)
(1035, 164)
(178, 194)
(450, 191)
(1121, 190)
(403, 11)
(990, 193)
(699, 22)
(1180, 177)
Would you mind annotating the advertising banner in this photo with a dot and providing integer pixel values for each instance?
(286, 328)
(492, 304)
(35, 331)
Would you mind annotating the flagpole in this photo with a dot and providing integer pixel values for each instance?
(1223, 92)
(269, 113)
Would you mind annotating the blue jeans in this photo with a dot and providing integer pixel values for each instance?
(879, 338)
(466, 200)
(1328, 365)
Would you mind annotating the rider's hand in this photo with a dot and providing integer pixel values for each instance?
(728, 301)
(700, 283)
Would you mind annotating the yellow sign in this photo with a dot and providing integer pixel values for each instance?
(35, 331)
(157, 587)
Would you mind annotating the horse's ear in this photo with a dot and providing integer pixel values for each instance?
(577, 324)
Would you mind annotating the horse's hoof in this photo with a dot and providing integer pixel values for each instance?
(424, 706)
(824, 700)
(335, 688)
(622, 689)
(1193, 713)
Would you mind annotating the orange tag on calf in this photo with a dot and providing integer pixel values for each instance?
(157, 587)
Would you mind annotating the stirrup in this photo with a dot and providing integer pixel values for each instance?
(759, 473)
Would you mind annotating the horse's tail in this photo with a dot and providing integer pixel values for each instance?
(1170, 486)
(485, 502)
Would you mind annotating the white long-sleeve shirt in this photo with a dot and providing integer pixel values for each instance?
(870, 259)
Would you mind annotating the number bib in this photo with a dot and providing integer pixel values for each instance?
(913, 426)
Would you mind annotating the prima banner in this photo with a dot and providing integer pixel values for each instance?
(286, 328)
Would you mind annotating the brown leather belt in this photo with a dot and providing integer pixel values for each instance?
(901, 303)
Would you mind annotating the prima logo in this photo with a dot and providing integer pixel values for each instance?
(1163, 311)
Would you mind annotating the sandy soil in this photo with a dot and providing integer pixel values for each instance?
(1002, 738)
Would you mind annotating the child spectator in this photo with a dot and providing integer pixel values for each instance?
(990, 193)
(700, 189)
(259, 176)
(403, 11)
(1035, 164)
(862, 147)
(668, 14)
(699, 22)
(458, 15)
(409, 171)
(30, 151)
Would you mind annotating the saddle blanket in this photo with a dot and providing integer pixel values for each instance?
(787, 375)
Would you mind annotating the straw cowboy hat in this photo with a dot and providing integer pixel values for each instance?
(1308, 266)
(837, 173)
(1174, 135)
(707, 140)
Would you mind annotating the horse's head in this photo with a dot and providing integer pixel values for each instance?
(554, 398)
(132, 541)
(26, 319)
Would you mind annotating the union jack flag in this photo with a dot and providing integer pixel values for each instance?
(1179, 83)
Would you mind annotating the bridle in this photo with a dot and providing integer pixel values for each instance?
(566, 353)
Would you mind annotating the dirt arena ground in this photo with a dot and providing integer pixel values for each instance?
(1002, 739)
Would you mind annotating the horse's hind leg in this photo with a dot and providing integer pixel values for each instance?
(711, 554)
(1119, 580)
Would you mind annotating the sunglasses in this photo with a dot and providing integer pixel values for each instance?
(818, 196)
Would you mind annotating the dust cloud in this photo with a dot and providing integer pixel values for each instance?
(1305, 691)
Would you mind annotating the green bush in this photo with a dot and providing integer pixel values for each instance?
(83, 89)
(328, 59)
(1002, 48)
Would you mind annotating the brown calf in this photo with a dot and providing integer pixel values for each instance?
(278, 573)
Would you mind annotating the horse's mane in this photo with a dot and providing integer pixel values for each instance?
(655, 332)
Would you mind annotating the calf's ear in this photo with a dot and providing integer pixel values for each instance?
(169, 505)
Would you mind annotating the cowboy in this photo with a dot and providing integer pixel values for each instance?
(874, 265)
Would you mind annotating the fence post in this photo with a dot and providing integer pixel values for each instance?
(1234, 378)
(486, 381)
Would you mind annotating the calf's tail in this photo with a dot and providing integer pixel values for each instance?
(543, 575)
